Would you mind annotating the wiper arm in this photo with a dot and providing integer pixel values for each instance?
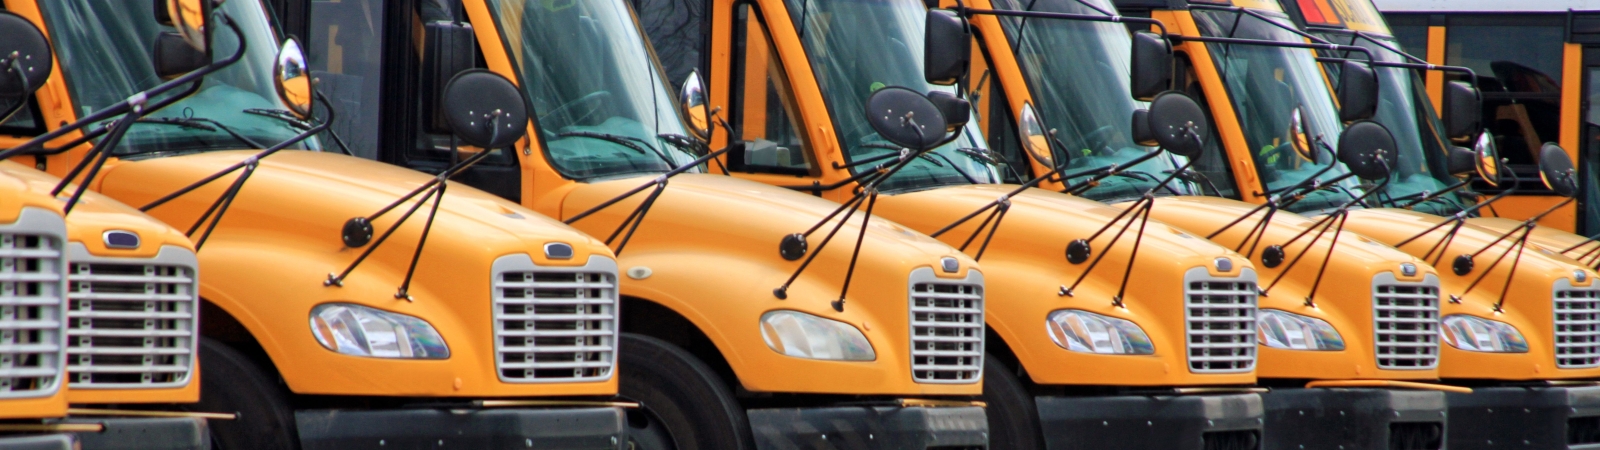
(632, 143)
(203, 124)
(296, 122)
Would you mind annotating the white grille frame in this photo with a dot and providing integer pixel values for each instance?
(1575, 314)
(174, 315)
(1389, 328)
(47, 350)
(599, 353)
(924, 319)
(1241, 322)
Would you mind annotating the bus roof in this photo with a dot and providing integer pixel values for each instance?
(1447, 6)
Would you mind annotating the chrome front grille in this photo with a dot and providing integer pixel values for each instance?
(946, 328)
(1219, 319)
(555, 324)
(1577, 320)
(32, 269)
(132, 323)
(1405, 322)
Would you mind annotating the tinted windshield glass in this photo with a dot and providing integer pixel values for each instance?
(1077, 72)
(597, 94)
(859, 46)
(1266, 84)
(105, 55)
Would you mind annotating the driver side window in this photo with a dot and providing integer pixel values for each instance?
(764, 113)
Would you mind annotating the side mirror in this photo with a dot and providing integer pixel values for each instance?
(485, 110)
(1142, 134)
(1555, 168)
(191, 17)
(1178, 124)
(1488, 159)
(1358, 92)
(696, 108)
(1367, 148)
(1300, 136)
(293, 78)
(1034, 138)
(25, 58)
(448, 51)
(946, 47)
(173, 56)
(1151, 71)
(1462, 161)
(956, 110)
(905, 118)
(1463, 111)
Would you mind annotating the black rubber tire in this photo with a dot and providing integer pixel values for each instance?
(680, 394)
(1013, 418)
(231, 383)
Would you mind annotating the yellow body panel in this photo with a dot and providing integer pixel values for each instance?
(15, 195)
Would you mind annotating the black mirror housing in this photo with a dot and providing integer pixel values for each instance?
(449, 50)
(1358, 92)
(905, 118)
(1557, 171)
(946, 47)
(28, 43)
(1463, 111)
(1142, 134)
(163, 17)
(1367, 148)
(1151, 71)
(1462, 161)
(956, 110)
(485, 109)
(173, 56)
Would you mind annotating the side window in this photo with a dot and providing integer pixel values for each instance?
(1217, 174)
(678, 30)
(24, 121)
(432, 141)
(1518, 60)
(764, 113)
(994, 117)
(345, 52)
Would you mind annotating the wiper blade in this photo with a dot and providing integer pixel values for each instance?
(632, 143)
(203, 124)
(295, 122)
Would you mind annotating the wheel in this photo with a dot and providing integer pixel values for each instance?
(231, 383)
(1013, 418)
(683, 403)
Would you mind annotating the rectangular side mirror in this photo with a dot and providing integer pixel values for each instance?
(1463, 111)
(162, 16)
(1358, 92)
(956, 111)
(1151, 73)
(1142, 134)
(448, 50)
(1462, 161)
(946, 47)
(174, 57)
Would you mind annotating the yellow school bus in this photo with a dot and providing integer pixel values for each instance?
(33, 287)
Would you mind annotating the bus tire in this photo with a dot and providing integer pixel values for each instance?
(231, 383)
(1013, 418)
(684, 405)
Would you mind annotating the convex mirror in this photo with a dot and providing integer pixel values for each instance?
(1358, 92)
(1487, 159)
(1555, 168)
(293, 79)
(1463, 111)
(191, 18)
(485, 109)
(1178, 124)
(1150, 73)
(696, 108)
(1301, 137)
(1367, 149)
(905, 118)
(1034, 138)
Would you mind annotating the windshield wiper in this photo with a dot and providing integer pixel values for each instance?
(203, 124)
(632, 143)
(296, 122)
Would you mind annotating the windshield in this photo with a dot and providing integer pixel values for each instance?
(1266, 84)
(1404, 108)
(601, 106)
(104, 50)
(859, 46)
(1077, 72)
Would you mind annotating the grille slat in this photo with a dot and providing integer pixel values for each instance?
(555, 324)
(1577, 331)
(946, 329)
(1219, 322)
(1405, 323)
(131, 324)
(31, 269)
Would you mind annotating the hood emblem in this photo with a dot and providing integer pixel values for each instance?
(558, 250)
(1224, 264)
(120, 239)
(1408, 269)
(950, 265)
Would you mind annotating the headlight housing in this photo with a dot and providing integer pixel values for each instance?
(1476, 334)
(362, 331)
(1087, 332)
(1290, 331)
(802, 335)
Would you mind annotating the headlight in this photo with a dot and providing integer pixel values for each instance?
(361, 331)
(1083, 331)
(1475, 334)
(803, 335)
(1286, 330)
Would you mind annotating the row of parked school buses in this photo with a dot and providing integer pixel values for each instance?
(493, 224)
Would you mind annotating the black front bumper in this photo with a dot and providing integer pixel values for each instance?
(37, 442)
(1231, 421)
(1356, 418)
(153, 433)
(1526, 417)
(554, 428)
(878, 427)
